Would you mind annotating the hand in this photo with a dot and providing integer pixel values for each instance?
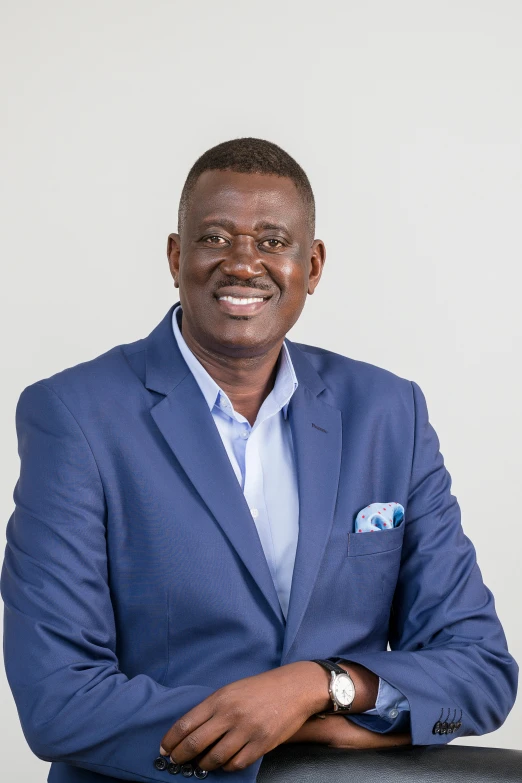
(242, 721)
(338, 732)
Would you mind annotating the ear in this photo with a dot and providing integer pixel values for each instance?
(317, 261)
(173, 252)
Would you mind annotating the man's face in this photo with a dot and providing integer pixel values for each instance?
(245, 236)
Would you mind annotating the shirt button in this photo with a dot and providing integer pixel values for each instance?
(244, 434)
(393, 713)
(254, 512)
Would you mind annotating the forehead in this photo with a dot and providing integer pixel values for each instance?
(246, 199)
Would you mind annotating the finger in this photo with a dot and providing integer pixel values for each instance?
(220, 754)
(196, 743)
(244, 758)
(188, 723)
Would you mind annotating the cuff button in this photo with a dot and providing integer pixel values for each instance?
(187, 770)
(160, 762)
(173, 768)
(200, 774)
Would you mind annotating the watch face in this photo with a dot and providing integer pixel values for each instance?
(343, 690)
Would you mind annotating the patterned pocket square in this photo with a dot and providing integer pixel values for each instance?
(379, 516)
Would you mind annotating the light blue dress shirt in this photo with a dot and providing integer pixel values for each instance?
(262, 457)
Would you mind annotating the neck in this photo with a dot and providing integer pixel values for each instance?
(246, 380)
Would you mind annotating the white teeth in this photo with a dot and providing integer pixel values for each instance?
(241, 301)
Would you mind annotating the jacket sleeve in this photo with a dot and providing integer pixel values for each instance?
(74, 703)
(448, 655)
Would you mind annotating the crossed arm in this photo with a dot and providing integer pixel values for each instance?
(245, 719)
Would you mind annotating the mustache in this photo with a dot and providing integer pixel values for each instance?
(253, 282)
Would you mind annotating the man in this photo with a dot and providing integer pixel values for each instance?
(210, 519)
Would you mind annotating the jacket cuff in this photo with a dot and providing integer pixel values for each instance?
(404, 671)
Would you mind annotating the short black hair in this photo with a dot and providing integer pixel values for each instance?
(248, 156)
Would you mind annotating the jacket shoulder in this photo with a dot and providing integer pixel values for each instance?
(360, 387)
(103, 373)
(335, 367)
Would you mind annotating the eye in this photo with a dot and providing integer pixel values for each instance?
(214, 239)
(274, 243)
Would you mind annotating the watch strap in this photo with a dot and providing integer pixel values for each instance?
(329, 666)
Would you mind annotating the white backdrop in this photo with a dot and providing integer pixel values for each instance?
(407, 117)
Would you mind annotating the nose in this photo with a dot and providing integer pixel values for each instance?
(243, 259)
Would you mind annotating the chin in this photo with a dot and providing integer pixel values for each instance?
(246, 345)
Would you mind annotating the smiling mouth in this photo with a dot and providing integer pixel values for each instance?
(241, 306)
(241, 300)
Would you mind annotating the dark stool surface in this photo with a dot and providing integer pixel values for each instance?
(311, 763)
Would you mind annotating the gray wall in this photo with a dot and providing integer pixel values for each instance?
(407, 117)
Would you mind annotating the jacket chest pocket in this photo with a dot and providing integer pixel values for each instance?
(376, 542)
(373, 561)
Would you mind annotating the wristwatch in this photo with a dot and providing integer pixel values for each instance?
(341, 688)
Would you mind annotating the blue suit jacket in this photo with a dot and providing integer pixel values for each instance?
(135, 584)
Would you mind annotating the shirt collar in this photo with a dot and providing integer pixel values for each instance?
(279, 398)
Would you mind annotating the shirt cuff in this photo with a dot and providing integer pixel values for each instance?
(389, 702)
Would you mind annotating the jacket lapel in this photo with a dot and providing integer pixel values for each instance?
(184, 419)
(317, 438)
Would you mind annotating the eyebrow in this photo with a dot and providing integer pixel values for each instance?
(229, 225)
